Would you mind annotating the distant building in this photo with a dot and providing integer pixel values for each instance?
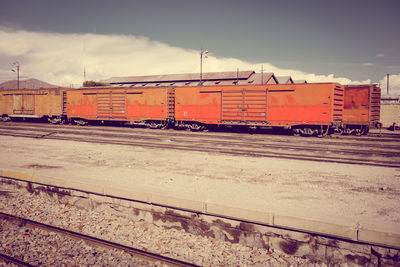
(284, 79)
(390, 111)
(390, 100)
(300, 81)
(193, 79)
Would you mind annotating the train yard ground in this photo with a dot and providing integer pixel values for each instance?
(341, 180)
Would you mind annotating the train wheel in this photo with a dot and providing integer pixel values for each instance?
(153, 125)
(80, 122)
(364, 130)
(5, 118)
(296, 132)
(308, 131)
(347, 131)
(196, 127)
(322, 132)
(54, 120)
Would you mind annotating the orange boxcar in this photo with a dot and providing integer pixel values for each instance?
(306, 108)
(361, 108)
(151, 106)
(28, 103)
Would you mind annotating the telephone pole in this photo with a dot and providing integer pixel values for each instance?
(387, 83)
(203, 53)
(16, 65)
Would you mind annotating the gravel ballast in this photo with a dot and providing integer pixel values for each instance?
(42, 248)
(205, 251)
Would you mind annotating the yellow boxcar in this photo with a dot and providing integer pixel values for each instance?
(28, 103)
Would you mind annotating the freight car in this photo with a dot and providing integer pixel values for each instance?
(361, 108)
(153, 107)
(307, 109)
(28, 103)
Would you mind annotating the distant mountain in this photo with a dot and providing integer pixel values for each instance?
(26, 84)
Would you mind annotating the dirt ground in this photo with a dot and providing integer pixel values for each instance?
(338, 193)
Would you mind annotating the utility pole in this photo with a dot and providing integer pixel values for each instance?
(262, 74)
(16, 65)
(387, 85)
(203, 53)
(84, 74)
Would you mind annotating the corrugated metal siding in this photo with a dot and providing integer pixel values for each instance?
(374, 104)
(245, 105)
(338, 104)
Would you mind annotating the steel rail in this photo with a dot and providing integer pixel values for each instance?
(16, 261)
(215, 134)
(290, 143)
(231, 151)
(149, 256)
(229, 141)
(254, 143)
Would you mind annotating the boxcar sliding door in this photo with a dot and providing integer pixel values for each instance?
(111, 105)
(244, 105)
(24, 104)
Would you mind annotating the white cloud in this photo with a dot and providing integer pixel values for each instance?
(394, 85)
(368, 64)
(61, 58)
(380, 55)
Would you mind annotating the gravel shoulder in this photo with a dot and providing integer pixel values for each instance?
(104, 222)
(338, 193)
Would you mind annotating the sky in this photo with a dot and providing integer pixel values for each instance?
(347, 41)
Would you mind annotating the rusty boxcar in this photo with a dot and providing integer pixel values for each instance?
(28, 103)
(361, 108)
(306, 108)
(153, 107)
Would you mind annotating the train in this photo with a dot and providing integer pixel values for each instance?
(362, 105)
(308, 109)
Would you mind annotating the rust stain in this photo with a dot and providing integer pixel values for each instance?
(11, 182)
(290, 247)
(136, 211)
(246, 227)
(5, 193)
(333, 243)
(195, 225)
(191, 224)
(51, 191)
(29, 188)
(40, 166)
(358, 259)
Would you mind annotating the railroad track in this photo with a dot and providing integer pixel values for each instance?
(220, 135)
(288, 143)
(154, 133)
(145, 255)
(362, 152)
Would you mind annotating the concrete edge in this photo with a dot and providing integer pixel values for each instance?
(19, 175)
(128, 194)
(185, 204)
(239, 213)
(332, 229)
(391, 239)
